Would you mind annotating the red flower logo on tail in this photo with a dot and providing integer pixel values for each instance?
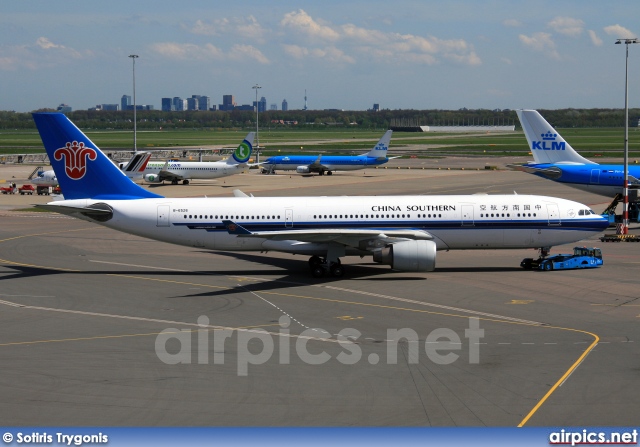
(75, 158)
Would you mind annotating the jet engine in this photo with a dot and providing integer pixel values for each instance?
(302, 169)
(408, 256)
(152, 178)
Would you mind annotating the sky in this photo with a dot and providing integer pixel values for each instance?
(401, 54)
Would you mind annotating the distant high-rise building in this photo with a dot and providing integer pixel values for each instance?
(262, 105)
(273, 106)
(125, 102)
(192, 103)
(376, 107)
(228, 102)
(204, 102)
(179, 104)
(167, 105)
(285, 105)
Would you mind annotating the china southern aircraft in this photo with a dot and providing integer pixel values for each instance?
(175, 171)
(402, 231)
(556, 160)
(305, 164)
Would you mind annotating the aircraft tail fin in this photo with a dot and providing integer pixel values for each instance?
(545, 143)
(138, 162)
(82, 169)
(243, 153)
(380, 149)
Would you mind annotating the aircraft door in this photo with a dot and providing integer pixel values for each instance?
(467, 215)
(288, 218)
(163, 216)
(595, 176)
(554, 213)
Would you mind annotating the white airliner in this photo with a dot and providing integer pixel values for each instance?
(402, 231)
(45, 179)
(175, 171)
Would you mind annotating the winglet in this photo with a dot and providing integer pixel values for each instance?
(234, 228)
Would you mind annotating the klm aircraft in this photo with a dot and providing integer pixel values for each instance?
(556, 160)
(402, 231)
(305, 164)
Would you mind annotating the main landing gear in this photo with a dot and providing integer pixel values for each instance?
(320, 267)
(328, 172)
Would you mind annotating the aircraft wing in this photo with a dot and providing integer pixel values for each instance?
(363, 239)
(316, 165)
(166, 174)
(550, 172)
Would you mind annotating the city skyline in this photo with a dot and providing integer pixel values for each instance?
(405, 55)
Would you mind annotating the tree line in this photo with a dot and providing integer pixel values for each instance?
(319, 119)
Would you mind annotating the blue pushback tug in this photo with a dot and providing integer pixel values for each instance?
(581, 258)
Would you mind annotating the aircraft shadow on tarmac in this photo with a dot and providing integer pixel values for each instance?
(297, 274)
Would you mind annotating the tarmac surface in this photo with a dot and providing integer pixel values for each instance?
(100, 328)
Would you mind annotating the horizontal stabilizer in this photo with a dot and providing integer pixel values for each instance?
(553, 173)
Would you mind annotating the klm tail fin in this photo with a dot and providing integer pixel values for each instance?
(546, 144)
(83, 170)
(380, 149)
(243, 153)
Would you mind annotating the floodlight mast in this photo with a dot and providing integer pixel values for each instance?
(625, 190)
(256, 87)
(135, 121)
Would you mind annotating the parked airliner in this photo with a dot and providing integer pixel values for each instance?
(402, 231)
(175, 171)
(305, 164)
(44, 179)
(556, 160)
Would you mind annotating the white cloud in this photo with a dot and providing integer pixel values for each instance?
(619, 32)
(594, 38)
(541, 42)
(329, 53)
(242, 52)
(301, 22)
(380, 45)
(567, 26)
(295, 51)
(186, 51)
(248, 28)
(512, 23)
(43, 53)
(207, 52)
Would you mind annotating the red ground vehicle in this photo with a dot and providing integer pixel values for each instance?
(26, 189)
(6, 190)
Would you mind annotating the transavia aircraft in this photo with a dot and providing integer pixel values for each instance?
(402, 231)
(305, 164)
(556, 160)
(175, 171)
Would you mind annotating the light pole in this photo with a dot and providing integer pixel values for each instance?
(625, 190)
(257, 87)
(135, 121)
